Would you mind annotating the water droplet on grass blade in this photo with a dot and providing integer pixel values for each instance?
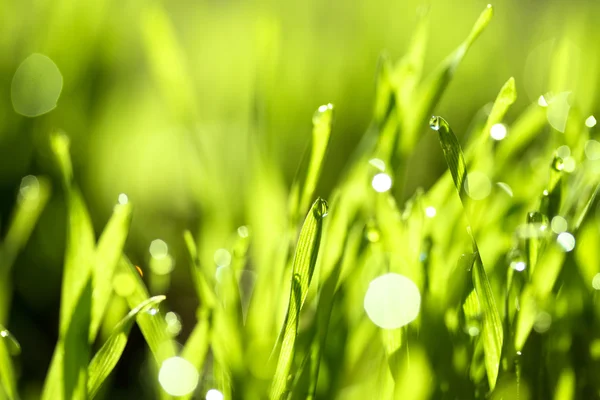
(392, 301)
(430, 212)
(377, 163)
(542, 101)
(323, 114)
(178, 377)
(13, 346)
(36, 86)
(30, 188)
(123, 199)
(506, 188)
(434, 123)
(558, 163)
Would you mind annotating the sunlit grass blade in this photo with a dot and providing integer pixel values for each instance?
(8, 380)
(197, 346)
(109, 354)
(492, 332)
(33, 196)
(432, 89)
(108, 251)
(151, 322)
(304, 187)
(68, 371)
(205, 293)
(305, 258)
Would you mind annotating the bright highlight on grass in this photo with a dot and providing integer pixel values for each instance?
(381, 182)
(123, 199)
(392, 301)
(498, 131)
(430, 212)
(590, 122)
(222, 258)
(214, 394)
(566, 241)
(178, 377)
(477, 185)
(558, 224)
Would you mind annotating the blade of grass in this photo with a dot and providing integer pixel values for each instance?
(109, 354)
(432, 89)
(68, 371)
(152, 325)
(492, 332)
(108, 251)
(8, 380)
(34, 194)
(305, 259)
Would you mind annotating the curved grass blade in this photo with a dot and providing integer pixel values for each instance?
(108, 251)
(109, 354)
(305, 259)
(197, 345)
(151, 323)
(492, 333)
(68, 370)
(8, 381)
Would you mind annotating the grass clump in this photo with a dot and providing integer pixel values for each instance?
(505, 272)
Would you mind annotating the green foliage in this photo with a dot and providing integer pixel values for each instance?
(506, 273)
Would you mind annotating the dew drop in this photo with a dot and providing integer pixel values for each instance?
(123, 199)
(30, 188)
(558, 164)
(14, 348)
(323, 114)
(434, 123)
(542, 101)
(378, 163)
(506, 188)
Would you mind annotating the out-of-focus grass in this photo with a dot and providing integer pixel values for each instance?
(200, 132)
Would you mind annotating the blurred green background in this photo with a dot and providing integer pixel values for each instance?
(174, 103)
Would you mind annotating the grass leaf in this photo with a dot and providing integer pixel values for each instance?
(109, 354)
(108, 251)
(305, 259)
(8, 379)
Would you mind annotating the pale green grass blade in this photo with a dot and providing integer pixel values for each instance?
(303, 188)
(8, 380)
(205, 293)
(565, 388)
(109, 354)
(33, 196)
(68, 371)
(432, 89)
(305, 259)
(108, 251)
(492, 332)
(151, 323)
(197, 345)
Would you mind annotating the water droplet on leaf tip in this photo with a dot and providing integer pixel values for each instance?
(558, 163)
(590, 122)
(434, 123)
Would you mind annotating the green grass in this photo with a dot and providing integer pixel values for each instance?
(508, 302)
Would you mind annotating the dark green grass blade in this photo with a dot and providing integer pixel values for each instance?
(305, 259)
(68, 371)
(108, 252)
(492, 333)
(8, 379)
(31, 202)
(109, 354)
